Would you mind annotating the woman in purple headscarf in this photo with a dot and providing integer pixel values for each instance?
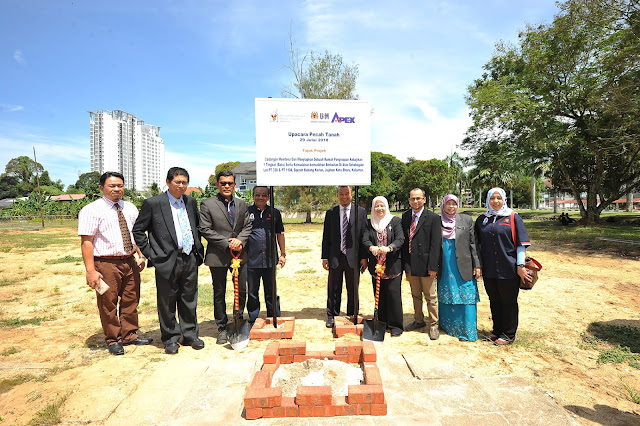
(459, 269)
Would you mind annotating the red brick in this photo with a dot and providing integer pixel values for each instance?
(341, 358)
(305, 411)
(262, 397)
(268, 413)
(262, 379)
(364, 409)
(299, 358)
(286, 359)
(359, 329)
(314, 355)
(372, 375)
(292, 348)
(349, 348)
(365, 394)
(290, 407)
(378, 409)
(289, 328)
(253, 413)
(271, 353)
(341, 330)
(313, 395)
(368, 352)
(258, 324)
(353, 358)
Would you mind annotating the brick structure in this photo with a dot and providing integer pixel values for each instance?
(261, 400)
(343, 326)
(263, 329)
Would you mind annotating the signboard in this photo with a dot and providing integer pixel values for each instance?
(313, 142)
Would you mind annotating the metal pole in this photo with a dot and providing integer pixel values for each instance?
(274, 258)
(356, 261)
(39, 189)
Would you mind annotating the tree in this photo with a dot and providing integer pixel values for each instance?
(87, 183)
(568, 95)
(381, 182)
(431, 176)
(307, 198)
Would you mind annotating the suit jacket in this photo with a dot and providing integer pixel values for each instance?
(155, 233)
(332, 234)
(216, 229)
(426, 244)
(395, 239)
(467, 256)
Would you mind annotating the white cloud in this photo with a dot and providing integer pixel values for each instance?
(10, 108)
(19, 57)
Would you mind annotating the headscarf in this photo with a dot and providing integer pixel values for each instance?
(377, 223)
(448, 220)
(504, 210)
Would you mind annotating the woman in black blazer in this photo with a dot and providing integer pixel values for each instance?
(383, 239)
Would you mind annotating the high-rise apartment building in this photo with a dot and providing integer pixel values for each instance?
(122, 142)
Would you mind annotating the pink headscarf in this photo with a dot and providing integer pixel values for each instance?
(448, 220)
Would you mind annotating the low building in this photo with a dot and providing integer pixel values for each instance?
(245, 176)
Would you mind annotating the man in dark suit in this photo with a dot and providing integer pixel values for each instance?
(167, 233)
(421, 257)
(225, 224)
(337, 252)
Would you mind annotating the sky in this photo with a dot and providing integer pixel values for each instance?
(195, 67)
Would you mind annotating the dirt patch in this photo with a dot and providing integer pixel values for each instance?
(316, 372)
(60, 340)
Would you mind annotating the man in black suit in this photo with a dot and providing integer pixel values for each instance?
(167, 233)
(421, 257)
(337, 252)
(225, 224)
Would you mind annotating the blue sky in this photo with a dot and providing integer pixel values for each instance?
(194, 67)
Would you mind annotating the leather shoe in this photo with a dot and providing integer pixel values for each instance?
(414, 326)
(434, 333)
(171, 348)
(139, 341)
(196, 343)
(330, 322)
(116, 349)
(222, 337)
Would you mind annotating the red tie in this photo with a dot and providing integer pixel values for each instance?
(412, 229)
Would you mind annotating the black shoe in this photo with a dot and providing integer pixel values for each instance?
(395, 332)
(171, 348)
(196, 343)
(139, 341)
(116, 349)
(222, 337)
(330, 322)
(414, 326)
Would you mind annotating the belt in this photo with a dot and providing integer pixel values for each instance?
(127, 256)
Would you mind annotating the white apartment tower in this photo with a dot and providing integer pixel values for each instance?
(122, 142)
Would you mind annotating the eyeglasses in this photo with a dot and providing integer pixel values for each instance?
(226, 183)
(416, 199)
(261, 195)
(180, 183)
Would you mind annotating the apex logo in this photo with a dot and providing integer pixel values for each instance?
(342, 119)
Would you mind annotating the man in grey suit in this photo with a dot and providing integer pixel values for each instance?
(167, 233)
(225, 224)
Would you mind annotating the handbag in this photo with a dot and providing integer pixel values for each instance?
(531, 265)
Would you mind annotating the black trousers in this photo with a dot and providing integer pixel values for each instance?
(219, 277)
(334, 288)
(503, 301)
(390, 302)
(253, 300)
(179, 290)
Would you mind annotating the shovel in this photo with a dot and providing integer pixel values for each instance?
(374, 329)
(239, 332)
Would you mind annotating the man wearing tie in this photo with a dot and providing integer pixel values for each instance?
(167, 233)
(225, 224)
(107, 251)
(338, 239)
(421, 256)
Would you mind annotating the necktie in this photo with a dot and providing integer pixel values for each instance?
(412, 229)
(345, 226)
(185, 228)
(124, 230)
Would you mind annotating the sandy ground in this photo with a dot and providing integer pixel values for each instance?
(55, 357)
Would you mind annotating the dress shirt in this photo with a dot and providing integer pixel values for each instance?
(100, 220)
(418, 214)
(176, 205)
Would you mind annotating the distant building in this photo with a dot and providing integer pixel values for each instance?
(245, 175)
(122, 142)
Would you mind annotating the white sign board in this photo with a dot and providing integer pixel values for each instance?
(313, 142)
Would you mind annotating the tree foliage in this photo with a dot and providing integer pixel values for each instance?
(87, 183)
(229, 165)
(568, 94)
(431, 176)
(307, 198)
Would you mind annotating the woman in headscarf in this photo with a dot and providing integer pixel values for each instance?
(383, 239)
(502, 263)
(459, 269)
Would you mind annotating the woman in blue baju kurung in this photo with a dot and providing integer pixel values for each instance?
(459, 269)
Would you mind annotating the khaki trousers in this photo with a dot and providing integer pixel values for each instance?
(426, 286)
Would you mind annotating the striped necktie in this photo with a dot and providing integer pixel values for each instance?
(124, 231)
(345, 227)
(412, 229)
